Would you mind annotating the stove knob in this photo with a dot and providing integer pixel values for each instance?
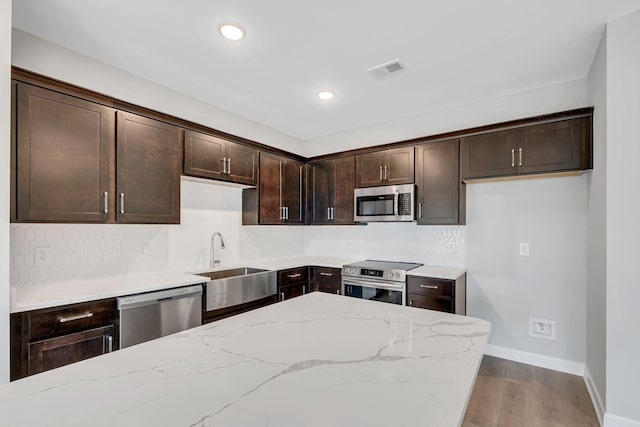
(397, 275)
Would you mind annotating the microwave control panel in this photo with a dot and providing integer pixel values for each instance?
(404, 204)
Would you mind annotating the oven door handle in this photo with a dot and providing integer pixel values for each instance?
(373, 284)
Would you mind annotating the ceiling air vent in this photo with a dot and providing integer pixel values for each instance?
(386, 69)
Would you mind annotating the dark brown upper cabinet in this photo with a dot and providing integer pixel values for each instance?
(331, 185)
(542, 148)
(281, 192)
(440, 192)
(208, 156)
(148, 170)
(63, 147)
(389, 167)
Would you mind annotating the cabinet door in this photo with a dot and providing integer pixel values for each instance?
(292, 291)
(148, 170)
(399, 166)
(63, 152)
(551, 147)
(488, 155)
(320, 179)
(203, 155)
(370, 169)
(270, 196)
(430, 303)
(242, 164)
(292, 191)
(439, 183)
(55, 352)
(343, 182)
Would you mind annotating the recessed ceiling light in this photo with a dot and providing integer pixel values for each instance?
(231, 31)
(325, 95)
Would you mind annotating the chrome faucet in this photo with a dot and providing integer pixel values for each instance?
(213, 260)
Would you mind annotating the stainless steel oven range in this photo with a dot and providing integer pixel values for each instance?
(384, 281)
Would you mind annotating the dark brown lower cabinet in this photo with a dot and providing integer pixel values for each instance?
(293, 282)
(325, 279)
(49, 338)
(438, 294)
(55, 352)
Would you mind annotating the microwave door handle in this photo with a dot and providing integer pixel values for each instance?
(396, 210)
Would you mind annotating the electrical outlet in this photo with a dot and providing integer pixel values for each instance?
(42, 256)
(451, 246)
(541, 328)
(142, 248)
(524, 249)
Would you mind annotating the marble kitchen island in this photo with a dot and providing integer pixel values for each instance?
(315, 360)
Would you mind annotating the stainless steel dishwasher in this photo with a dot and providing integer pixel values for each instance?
(155, 314)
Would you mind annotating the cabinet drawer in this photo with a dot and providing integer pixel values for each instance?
(71, 318)
(430, 303)
(429, 286)
(292, 275)
(326, 279)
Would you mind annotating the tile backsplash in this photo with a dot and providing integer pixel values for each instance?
(47, 253)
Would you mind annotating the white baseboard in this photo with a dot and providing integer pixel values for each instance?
(534, 359)
(595, 395)
(611, 420)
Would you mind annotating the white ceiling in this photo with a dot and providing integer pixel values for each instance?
(454, 51)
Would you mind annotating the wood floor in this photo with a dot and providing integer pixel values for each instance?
(511, 394)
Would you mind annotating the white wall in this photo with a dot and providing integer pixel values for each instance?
(597, 229)
(623, 227)
(548, 99)
(52, 60)
(80, 251)
(5, 115)
(506, 288)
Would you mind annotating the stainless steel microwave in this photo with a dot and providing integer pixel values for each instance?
(389, 203)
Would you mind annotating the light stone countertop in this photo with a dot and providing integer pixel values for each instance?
(449, 273)
(316, 360)
(82, 290)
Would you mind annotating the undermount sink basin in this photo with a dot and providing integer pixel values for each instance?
(236, 286)
(233, 272)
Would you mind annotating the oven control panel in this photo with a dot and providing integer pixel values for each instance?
(370, 272)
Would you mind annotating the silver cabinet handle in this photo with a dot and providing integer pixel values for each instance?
(281, 296)
(386, 168)
(513, 157)
(121, 203)
(76, 317)
(411, 303)
(282, 212)
(331, 213)
(228, 166)
(381, 173)
(304, 289)
(429, 286)
(293, 276)
(419, 210)
(326, 274)
(106, 202)
(224, 164)
(109, 343)
(519, 156)
(328, 213)
(286, 212)
(338, 292)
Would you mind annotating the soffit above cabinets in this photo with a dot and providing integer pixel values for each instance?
(451, 52)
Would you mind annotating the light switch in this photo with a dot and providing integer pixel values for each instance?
(524, 249)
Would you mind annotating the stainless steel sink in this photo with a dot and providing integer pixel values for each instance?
(238, 286)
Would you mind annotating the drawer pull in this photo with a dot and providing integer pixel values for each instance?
(411, 303)
(429, 286)
(77, 317)
(326, 274)
(109, 343)
(293, 276)
(281, 296)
